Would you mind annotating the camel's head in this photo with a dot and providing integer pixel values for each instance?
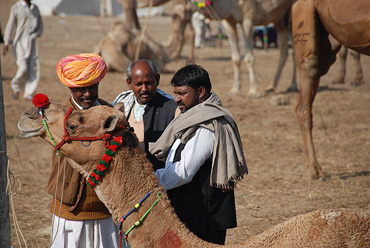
(91, 122)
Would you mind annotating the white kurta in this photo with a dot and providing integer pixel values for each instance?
(198, 22)
(196, 151)
(23, 27)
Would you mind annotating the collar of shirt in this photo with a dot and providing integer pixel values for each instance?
(80, 107)
(25, 4)
(139, 110)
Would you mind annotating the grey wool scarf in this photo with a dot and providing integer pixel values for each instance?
(228, 162)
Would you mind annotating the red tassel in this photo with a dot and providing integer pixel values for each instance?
(40, 100)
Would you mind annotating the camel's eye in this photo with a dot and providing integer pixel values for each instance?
(71, 128)
(81, 119)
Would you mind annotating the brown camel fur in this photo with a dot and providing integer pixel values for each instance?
(313, 21)
(120, 45)
(129, 8)
(130, 177)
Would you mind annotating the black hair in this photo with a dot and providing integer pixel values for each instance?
(192, 75)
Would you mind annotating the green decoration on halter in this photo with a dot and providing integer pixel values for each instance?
(49, 134)
(137, 223)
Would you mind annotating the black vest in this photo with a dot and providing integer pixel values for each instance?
(158, 113)
(201, 207)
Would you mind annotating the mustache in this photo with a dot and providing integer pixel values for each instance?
(145, 93)
(83, 98)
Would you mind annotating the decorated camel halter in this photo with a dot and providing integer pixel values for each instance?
(137, 223)
(206, 8)
(202, 4)
(41, 101)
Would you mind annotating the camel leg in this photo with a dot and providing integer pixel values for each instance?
(282, 35)
(192, 44)
(230, 30)
(341, 73)
(293, 84)
(359, 78)
(249, 58)
(129, 8)
(306, 52)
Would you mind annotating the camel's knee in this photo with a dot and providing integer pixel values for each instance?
(236, 62)
(249, 59)
(303, 112)
(310, 64)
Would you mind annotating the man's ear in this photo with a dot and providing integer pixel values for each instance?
(157, 78)
(202, 92)
(128, 82)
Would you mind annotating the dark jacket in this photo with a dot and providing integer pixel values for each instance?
(201, 207)
(158, 113)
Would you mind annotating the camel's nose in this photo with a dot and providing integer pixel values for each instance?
(32, 113)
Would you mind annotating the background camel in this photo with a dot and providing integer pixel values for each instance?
(313, 21)
(341, 73)
(130, 177)
(248, 14)
(123, 45)
(129, 8)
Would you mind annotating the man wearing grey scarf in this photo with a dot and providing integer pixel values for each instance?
(204, 157)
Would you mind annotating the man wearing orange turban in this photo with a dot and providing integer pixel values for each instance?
(80, 219)
(82, 74)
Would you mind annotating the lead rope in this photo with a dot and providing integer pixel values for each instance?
(53, 236)
(55, 202)
(137, 223)
(10, 193)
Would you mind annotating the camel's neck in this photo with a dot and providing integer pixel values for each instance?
(176, 39)
(129, 179)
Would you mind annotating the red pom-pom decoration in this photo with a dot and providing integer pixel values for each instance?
(40, 101)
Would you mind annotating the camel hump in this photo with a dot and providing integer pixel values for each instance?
(347, 20)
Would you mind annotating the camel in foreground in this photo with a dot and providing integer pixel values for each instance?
(315, 51)
(121, 44)
(129, 179)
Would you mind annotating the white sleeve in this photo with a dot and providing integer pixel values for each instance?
(196, 151)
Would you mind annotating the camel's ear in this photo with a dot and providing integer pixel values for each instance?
(110, 123)
(119, 106)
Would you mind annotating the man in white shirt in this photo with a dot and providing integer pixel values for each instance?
(23, 27)
(204, 157)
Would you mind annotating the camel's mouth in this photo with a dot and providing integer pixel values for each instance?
(30, 133)
(28, 128)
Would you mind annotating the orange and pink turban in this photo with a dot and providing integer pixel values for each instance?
(81, 70)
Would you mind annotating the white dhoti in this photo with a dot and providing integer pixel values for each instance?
(86, 234)
(28, 73)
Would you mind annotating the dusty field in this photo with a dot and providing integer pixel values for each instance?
(278, 186)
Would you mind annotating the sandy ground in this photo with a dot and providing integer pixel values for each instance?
(278, 186)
